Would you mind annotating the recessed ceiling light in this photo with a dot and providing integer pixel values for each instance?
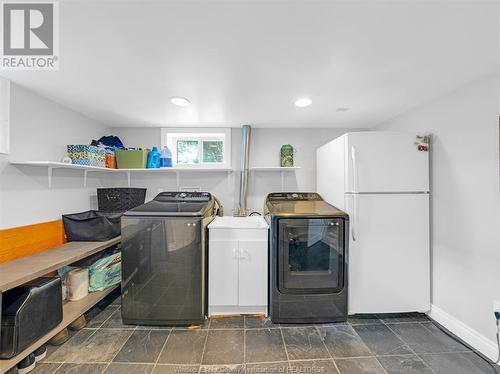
(179, 101)
(303, 102)
(342, 109)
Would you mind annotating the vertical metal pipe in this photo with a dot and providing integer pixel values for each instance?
(244, 166)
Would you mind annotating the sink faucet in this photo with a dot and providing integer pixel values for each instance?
(220, 208)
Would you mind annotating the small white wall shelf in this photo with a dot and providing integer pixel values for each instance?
(61, 165)
(50, 165)
(281, 169)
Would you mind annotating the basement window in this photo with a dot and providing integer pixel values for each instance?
(208, 148)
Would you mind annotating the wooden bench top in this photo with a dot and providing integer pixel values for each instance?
(22, 270)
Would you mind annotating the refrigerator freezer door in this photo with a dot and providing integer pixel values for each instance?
(385, 162)
(389, 256)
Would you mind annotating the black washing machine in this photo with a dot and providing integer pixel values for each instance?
(308, 259)
(164, 259)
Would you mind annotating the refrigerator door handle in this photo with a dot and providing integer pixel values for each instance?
(354, 225)
(354, 170)
(354, 217)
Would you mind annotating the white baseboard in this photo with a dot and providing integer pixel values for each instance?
(475, 339)
(218, 310)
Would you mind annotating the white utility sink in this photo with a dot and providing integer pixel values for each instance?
(237, 265)
(229, 222)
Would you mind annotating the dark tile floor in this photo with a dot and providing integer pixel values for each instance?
(387, 344)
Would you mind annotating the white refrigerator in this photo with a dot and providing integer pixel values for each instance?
(381, 179)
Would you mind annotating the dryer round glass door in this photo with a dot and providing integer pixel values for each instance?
(310, 255)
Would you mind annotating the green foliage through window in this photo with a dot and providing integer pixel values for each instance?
(187, 152)
(213, 151)
(200, 151)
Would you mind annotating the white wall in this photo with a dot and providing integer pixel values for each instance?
(40, 130)
(465, 206)
(265, 148)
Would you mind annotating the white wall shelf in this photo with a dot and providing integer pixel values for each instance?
(281, 169)
(51, 165)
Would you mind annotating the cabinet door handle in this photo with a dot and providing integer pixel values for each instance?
(242, 254)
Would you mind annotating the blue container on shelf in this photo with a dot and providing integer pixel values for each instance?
(166, 158)
(153, 159)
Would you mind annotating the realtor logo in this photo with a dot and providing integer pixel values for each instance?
(30, 35)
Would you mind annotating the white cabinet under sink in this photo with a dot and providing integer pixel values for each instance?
(237, 266)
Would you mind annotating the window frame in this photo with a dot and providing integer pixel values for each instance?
(170, 136)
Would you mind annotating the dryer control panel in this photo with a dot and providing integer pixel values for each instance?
(294, 196)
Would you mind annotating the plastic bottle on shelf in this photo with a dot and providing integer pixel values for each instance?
(166, 158)
(153, 159)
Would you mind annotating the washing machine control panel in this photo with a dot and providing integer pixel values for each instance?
(184, 196)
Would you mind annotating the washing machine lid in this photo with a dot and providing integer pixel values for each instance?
(176, 204)
(300, 204)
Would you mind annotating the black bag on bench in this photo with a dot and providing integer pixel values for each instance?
(92, 225)
(29, 312)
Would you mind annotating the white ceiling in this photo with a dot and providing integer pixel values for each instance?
(248, 61)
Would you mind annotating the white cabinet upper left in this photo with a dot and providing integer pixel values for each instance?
(4, 115)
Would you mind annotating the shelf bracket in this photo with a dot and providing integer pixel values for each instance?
(282, 181)
(128, 179)
(85, 178)
(177, 180)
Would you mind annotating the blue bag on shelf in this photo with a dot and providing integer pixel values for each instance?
(105, 272)
(111, 141)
